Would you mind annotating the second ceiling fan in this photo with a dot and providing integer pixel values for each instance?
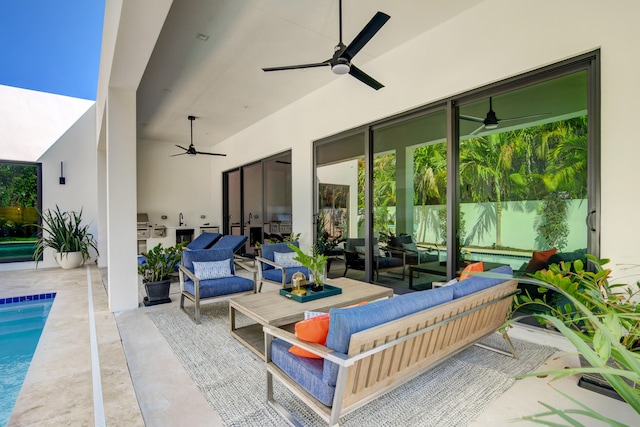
(340, 62)
(192, 149)
(491, 121)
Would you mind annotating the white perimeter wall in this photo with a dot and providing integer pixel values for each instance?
(450, 59)
(76, 148)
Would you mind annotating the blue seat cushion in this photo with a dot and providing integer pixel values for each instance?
(478, 283)
(268, 251)
(347, 321)
(204, 241)
(305, 371)
(275, 274)
(389, 262)
(219, 287)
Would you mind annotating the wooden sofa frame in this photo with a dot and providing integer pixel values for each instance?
(386, 356)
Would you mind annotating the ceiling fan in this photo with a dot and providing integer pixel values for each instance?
(340, 62)
(192, 150)
(491, 121)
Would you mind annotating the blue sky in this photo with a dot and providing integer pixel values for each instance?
(51, 45)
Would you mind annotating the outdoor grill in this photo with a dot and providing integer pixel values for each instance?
(144, 229)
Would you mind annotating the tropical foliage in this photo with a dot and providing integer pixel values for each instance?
(18, 201)
(64, 232)
(602, 320)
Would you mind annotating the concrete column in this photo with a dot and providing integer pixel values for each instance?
(121, 199)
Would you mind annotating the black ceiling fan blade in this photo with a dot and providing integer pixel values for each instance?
(180, 146)
(477, 130)
(510, 119)
(364, 77)
(296, 67)
(210, 154)
(181, 154)
(363, 37)
(471, 118)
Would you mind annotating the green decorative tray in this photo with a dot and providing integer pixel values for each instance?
(310, 295)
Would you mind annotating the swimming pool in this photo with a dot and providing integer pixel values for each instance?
(21, 322)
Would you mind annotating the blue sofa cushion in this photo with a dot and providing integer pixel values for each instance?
(347, 321)
(275, 274)
(218, 287)
(268, 251)
(478, 283)
(305, 371)
(203, 241)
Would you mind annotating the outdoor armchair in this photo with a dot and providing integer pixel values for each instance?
(210, 274)
(276, 265)
(387, 259)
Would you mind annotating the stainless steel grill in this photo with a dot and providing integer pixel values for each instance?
(144, 230)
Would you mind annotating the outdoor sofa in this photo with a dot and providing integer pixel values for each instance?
(373, 348)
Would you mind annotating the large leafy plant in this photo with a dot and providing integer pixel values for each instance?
(160, 262)
(64, 232)
(593, 290)
(601, 320)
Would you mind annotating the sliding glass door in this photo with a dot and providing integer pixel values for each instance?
(257, 201)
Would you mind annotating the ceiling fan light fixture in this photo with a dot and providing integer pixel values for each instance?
(491, 126)
(341, 68)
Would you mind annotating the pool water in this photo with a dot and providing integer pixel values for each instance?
(21, 322)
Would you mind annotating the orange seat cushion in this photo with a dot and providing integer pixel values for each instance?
(476, 266)
(539, 259)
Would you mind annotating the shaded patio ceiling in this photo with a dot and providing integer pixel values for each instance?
(220, 79)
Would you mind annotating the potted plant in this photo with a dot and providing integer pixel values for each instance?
(613, 304)
(315, 263)
(160, 263)
(67, 236)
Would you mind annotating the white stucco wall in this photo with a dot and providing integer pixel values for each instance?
(170, 185)
(76, 148)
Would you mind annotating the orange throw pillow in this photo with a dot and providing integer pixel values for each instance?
(476, 266)
(539, 259)
(313, 330)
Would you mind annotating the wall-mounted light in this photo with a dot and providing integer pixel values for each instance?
(62, 178)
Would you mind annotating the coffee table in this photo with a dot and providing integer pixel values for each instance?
(271, 308)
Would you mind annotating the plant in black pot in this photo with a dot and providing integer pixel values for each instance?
(65, 233)
(160, 264)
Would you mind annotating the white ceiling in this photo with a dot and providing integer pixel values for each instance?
(220, 81)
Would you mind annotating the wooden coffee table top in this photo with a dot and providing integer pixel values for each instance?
(271, 308)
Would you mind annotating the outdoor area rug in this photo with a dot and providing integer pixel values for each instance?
(233, 379)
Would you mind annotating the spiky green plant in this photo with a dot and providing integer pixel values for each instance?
(64, 232)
